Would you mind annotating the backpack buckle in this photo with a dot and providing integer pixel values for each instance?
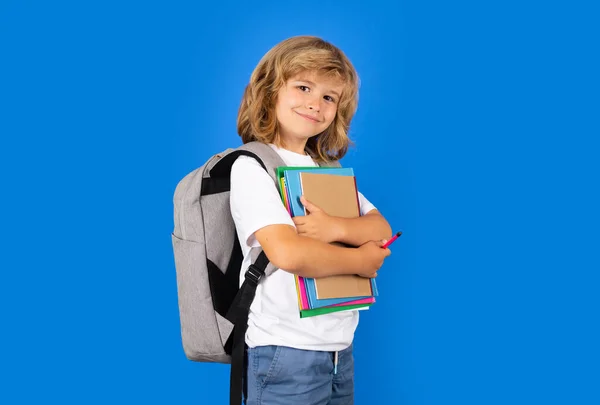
(253, 274)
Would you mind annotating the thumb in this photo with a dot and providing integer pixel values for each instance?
(308, 205)
(387, 249)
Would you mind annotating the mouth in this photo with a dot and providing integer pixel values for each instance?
(309, 118)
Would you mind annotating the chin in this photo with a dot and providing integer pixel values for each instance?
(310, 136)
(304, 136)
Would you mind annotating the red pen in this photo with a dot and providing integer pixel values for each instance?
(389, 242)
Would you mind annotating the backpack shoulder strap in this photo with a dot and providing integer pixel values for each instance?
(238, 312)
(270, 159)
(264, 155)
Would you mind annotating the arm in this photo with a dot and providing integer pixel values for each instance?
(356, 231)
(262, 220)
(308, 257)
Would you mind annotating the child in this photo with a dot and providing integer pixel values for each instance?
(300, 100)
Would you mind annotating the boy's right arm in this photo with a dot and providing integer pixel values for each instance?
(309, 257)
(262, 220)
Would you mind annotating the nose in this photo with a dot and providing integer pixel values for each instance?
(313, 103)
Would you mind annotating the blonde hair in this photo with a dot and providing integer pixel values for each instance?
(256, 116)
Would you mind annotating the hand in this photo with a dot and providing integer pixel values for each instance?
(373, 255)
(317, 224)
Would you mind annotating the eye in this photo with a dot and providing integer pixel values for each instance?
(330, 99)
(303, 88)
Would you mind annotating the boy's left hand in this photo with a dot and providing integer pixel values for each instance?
(317, 224)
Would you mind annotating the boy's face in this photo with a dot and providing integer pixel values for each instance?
(306, 106)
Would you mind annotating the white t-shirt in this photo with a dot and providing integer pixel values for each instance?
(274, 317)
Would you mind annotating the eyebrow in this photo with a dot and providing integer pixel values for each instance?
(313, 84)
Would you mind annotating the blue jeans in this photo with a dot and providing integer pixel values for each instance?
(279, 375)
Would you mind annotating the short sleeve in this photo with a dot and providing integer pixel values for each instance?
(254, 200)
(365, 205)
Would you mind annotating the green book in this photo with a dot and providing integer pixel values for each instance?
(282, 169)
(305, 313)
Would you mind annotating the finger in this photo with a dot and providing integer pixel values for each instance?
(308, 205)
(300, 220)
(380, 243)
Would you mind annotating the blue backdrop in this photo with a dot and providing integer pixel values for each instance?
(477, 135)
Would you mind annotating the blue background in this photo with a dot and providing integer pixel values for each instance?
(477, 135)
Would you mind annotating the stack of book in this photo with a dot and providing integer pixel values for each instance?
(334, 191)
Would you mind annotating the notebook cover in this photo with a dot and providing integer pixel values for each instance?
(374, 290)
(298, 292)
(336, 195)
(303, 296)
(348, 285)
(284, 196)
(314, 302)
(294, 185)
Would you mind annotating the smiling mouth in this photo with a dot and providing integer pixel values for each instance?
(308, 117)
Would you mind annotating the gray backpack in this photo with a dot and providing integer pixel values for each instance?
(213, 309)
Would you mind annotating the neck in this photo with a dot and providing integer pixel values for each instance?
(294, 145)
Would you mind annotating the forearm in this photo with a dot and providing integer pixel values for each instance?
(309, 257)
(357, 231)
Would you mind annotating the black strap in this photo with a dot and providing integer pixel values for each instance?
(238, 311)
(238, 315)
(220, 180)
(223, 166)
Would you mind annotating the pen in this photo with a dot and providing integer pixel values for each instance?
(389, 242)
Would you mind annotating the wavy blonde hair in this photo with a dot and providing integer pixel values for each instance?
(256, 116)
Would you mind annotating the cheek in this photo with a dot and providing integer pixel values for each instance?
(282, 108)
(284, 102)
(293, 100)
(330, 115)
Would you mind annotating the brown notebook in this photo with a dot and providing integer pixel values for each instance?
(337, 196)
